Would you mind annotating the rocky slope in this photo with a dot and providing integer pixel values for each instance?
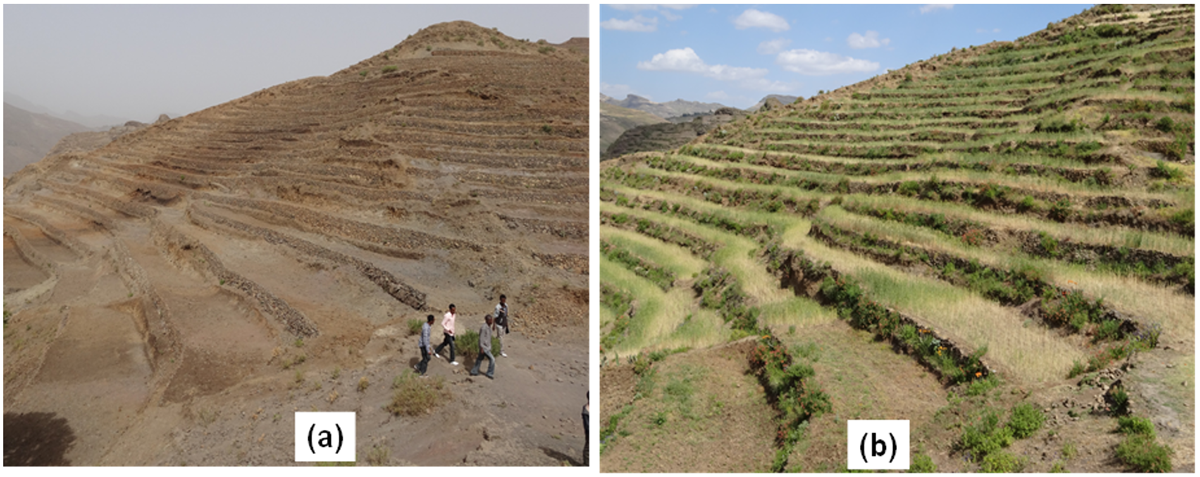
(212, 261)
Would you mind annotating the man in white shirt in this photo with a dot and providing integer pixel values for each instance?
(448, 334)
(501, 316)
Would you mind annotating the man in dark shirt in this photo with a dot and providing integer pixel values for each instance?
(587, 436)
(426, 347)
(485, 349)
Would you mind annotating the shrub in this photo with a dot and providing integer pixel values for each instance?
(1048, 244)
(1058, 125)
(363, 383)
(1165, 124)
(1069, 451)
(1133, 425)
(1060, 210)
(1185, 218)
(1026, 204)
(1163, 171)
(1143, 454)
(1077, 369)
(1179, 147)
(1025, 420)
(921, 464)
(415, 396)
(389, 69)
(414, 326)
(980, 387)
(1002, 463)
(1108, 330)
(986, 436)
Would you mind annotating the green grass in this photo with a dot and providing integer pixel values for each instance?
(467, 346)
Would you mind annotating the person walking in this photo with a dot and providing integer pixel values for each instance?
(425, 345)
(485, 348)
(501, 315)
(587, 436)
(448, 334)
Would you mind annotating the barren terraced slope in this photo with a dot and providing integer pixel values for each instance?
(173, 296)
(1013, 224)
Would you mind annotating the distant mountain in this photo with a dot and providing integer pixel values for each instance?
(667, 136)
(678, 107)
(615, 120)
(782, 99)
(95, 122)
(28, 136)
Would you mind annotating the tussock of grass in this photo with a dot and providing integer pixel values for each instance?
(467, 345)
(415, 396)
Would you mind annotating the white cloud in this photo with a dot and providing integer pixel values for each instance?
(637, 23)
(770, 86)
(829, 38)
(772, 47)
(755, 19)
(985, 30)
(995, 30)
(932, 7)
(820, 63)
(687, 61)
(717, 95)
(649, 6)
(870, 40)
(618, 91)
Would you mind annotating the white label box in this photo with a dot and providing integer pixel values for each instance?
(325, 436)
(877, 445)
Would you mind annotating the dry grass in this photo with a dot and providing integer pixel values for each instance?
(661, 318)
(1025, 182)
(669, 256)
(379, 455)
(1110, 235)
(738, 254)
(1146, 302)
(415, 396)
(1026, 352)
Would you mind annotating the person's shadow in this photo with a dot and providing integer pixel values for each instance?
(36, 438)
(559, 456)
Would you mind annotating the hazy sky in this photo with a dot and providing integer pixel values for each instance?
(736, 54)
(138, 61)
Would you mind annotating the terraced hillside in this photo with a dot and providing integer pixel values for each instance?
(996, 243)
(668, 135)
(173, 296)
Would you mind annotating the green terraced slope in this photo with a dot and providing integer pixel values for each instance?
(1017, 212)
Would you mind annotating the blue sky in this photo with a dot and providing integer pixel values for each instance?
(736, 54)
